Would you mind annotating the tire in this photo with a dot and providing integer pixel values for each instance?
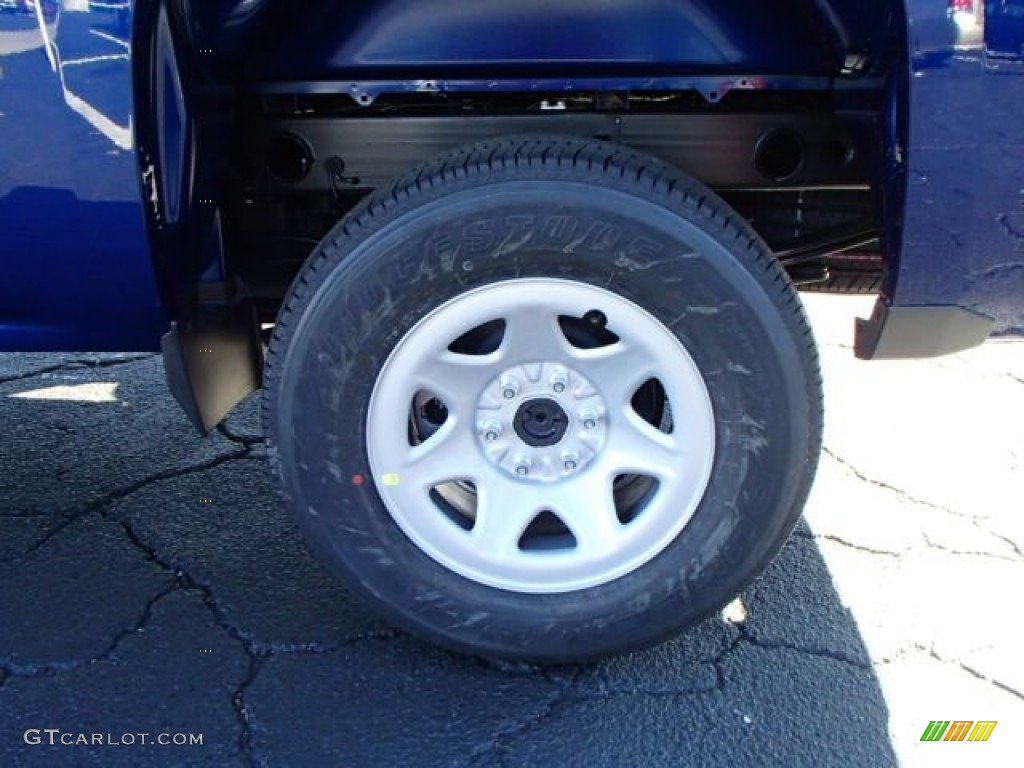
(401, 444)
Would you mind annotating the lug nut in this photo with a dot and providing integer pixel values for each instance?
(491, 431)
(570, 464)
(559, 381)
(509, 388)
(589, 419)
(522, 470)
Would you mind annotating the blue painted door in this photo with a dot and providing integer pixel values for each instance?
(75, 271)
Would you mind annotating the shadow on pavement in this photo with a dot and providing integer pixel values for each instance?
(152, 583)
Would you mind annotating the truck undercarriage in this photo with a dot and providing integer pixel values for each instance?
(794, 168)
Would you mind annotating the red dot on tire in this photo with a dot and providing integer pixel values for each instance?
(358, 479)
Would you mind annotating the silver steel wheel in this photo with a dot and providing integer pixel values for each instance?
(470, 465)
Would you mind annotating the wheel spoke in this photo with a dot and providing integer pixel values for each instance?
(450, 454)
(587, 507)
(456, 379)
(504, 510)
(621, 369)
(635, 447)
(533, 333)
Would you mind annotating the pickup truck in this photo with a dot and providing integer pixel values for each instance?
(520, 281)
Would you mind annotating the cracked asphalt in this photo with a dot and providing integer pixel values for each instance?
(151, 582)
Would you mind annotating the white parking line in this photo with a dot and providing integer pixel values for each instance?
(121, 136)
(111, 38)
(95, 59)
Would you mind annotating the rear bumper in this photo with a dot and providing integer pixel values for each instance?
(895, 333)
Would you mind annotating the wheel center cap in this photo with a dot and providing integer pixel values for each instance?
(540, 422)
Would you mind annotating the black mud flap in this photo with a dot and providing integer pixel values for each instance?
(213, 360)
(900, 333)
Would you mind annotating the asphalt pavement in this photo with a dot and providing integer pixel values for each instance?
(152, 583)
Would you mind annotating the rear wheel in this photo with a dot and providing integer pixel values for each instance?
(544, 399)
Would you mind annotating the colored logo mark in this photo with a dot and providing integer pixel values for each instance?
(958, 730)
